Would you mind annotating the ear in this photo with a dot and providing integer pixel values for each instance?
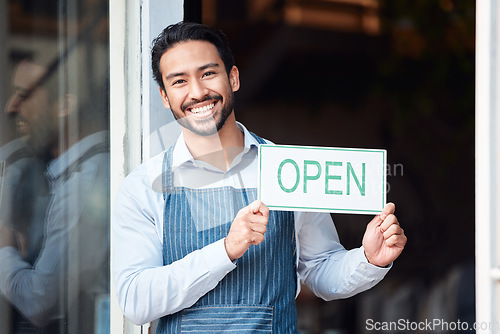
(234, 78)
(164, 98)
(67, 105)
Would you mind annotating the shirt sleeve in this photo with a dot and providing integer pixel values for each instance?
(325, 266)
(147, 289)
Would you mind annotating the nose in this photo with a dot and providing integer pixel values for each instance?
(13, 105)
(197, 90)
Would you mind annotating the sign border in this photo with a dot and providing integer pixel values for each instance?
(333, 210)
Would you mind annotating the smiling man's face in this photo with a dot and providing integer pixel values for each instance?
(34, 110)
(197, 88)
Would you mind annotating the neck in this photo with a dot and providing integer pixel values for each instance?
(220, 149)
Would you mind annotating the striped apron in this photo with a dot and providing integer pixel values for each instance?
(258, 296)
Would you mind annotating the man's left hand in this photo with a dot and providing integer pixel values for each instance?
(384, 239)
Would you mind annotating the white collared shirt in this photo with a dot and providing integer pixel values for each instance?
(148, 290)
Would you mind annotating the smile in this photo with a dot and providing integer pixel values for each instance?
(22, 126)
(203, 109)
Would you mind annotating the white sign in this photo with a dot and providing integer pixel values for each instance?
(343, 180)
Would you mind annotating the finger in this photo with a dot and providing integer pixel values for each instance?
(389, 208)
(393, 230)
(258, 219)
(259, 228)
(396, 240)
(389, 221)
(259, 207)
(256, 239)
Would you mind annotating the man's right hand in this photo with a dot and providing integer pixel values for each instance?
(247, 229)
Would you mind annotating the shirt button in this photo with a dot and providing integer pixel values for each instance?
(347, 284)
(363, 266)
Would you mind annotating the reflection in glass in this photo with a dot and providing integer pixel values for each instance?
(54, 168)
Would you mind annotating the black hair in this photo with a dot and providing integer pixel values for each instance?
(188, 31)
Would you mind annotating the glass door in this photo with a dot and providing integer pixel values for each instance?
(54, 177)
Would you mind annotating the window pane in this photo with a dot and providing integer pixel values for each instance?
(54, 166)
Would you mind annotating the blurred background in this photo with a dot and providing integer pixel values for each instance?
(397, 75)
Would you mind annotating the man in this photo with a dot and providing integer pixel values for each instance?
(58, 277)
(192, 245)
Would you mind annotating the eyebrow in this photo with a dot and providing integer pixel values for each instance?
(201, 68)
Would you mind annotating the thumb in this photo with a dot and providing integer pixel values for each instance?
(388, 209)
(259, 207)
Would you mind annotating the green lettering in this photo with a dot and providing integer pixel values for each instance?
(311, 177)
(297, 172)
(350, 171)
(331, 177)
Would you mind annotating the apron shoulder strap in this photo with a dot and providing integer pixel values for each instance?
(259, 140)
(166, 171)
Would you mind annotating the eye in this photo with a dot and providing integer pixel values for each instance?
(178, 82)
(208, 73)
(22, 96)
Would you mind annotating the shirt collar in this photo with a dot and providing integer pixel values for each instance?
(59, 165)
(181, 154)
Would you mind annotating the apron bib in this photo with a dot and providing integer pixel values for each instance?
(258, 296)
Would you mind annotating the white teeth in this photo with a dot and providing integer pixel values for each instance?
(202, 109)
